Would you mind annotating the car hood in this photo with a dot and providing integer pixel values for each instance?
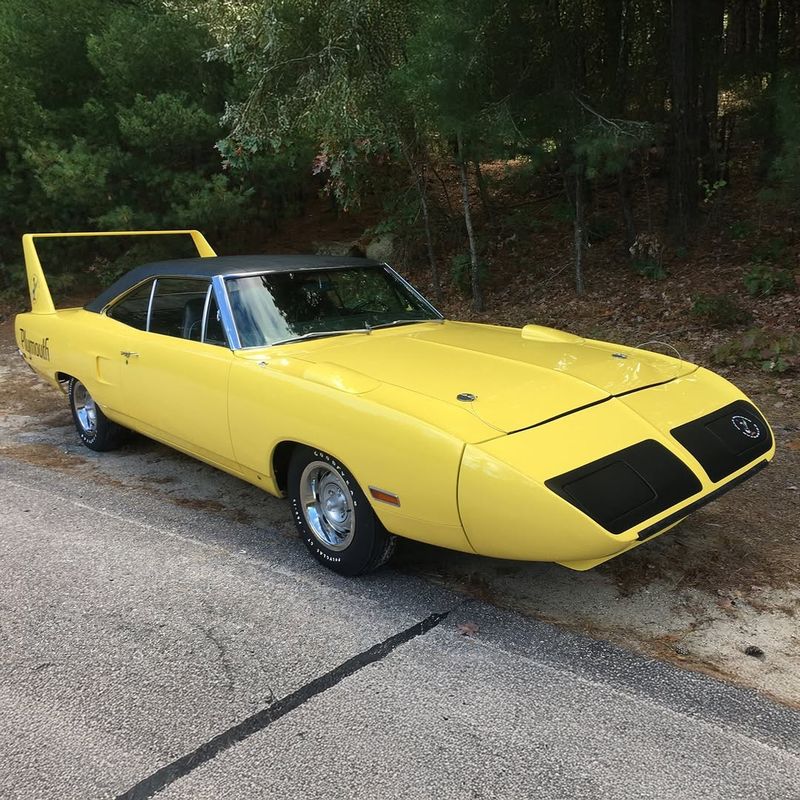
(519, 377)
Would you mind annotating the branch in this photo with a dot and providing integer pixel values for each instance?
(609, 122)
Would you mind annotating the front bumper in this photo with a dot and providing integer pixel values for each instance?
(593, 484)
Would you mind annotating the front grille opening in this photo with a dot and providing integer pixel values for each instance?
(625, 488)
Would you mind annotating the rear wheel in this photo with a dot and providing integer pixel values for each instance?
(333, 516)
(94, 428)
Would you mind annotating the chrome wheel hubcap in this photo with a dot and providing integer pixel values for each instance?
(328, 505)
(85, 409)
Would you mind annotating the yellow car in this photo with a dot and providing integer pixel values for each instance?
(334, 382)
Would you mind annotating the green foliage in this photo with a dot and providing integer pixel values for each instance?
(711, 189)
(647, 256)
(772, 351)
(461, 271)
(13, 282)
(211, 204)
(600, 228)
(785, 169)
(522, 221)
(138, 51)
(319, 74)
(73, 177)
(116, 112)
(447, 74)
(401, 214)
(563, 211)
(681, 251)
(769, 250)
(649, 267)
(140, 113)
(519, 178)
(142, 127)
(720, 310)
(764, 280)
(741, 230)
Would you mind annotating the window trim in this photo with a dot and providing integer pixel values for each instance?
(250, 274)
(226, 312)
(204, 318)
(150, 304)
(220, 290)
(213, 286)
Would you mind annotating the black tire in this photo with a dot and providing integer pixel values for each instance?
(345, 536)
(94, 428)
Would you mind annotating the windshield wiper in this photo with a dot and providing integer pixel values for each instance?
(317, 334)
(366, 329)
(404, 322)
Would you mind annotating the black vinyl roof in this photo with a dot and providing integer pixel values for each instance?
(221, 265)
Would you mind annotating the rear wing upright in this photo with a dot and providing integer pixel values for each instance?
(41, 300)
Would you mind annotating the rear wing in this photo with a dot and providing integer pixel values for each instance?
(42, 302)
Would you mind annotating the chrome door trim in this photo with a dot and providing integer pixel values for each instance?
(226, 312)
(205, 314)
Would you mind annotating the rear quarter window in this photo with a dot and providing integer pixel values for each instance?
(132, 308)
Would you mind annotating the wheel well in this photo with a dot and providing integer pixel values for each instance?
(281, 456)
(63, 379)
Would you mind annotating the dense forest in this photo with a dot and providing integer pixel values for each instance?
(447, 123)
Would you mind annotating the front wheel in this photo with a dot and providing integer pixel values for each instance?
(333, 516)
(95, 429)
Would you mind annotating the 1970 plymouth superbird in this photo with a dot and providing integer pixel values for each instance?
(333, 381)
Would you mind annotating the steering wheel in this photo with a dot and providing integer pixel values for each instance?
(362, 306)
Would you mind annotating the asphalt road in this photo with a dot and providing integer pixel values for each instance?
(151, 649)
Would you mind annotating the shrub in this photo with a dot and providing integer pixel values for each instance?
(720, 310)
(647, 254)
(773, 351)
(600, 228)
(763, 280)
(650, 268)
(741, 230)
(770, 251)
(460, 270)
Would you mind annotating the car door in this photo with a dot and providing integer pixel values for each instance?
(175, 372)
(110, 333)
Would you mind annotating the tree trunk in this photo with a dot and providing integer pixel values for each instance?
(789, 16)
(423, 199)
(485, 205)
(616, 70)
(477, 292)
(616, 53)
(421, 183)
(580, 224)
(683, 174)
(709, 56)
(770, 63)
(624, 188)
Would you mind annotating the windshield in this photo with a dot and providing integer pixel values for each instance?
(282, 306)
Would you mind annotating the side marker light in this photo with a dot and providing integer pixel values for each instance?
(384, 497)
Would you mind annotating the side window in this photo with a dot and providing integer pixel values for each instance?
(178, 307)
(132, 309)
(215, 333)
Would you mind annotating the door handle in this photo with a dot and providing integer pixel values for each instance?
(128, 354)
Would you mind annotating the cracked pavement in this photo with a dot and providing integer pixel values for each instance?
(150, 649)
